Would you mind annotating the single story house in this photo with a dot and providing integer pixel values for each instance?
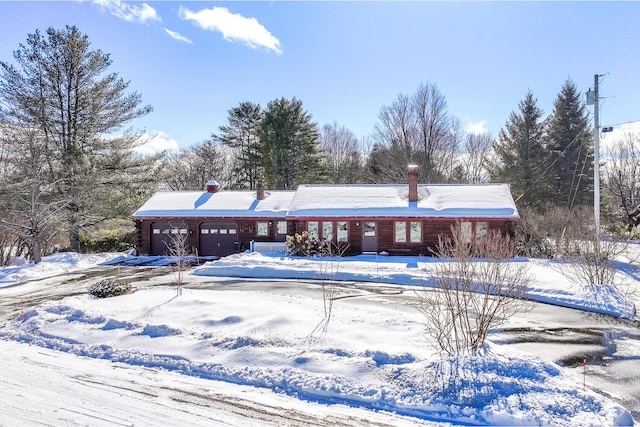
(391, 218)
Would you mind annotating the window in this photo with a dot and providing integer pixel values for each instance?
(415, 232)
(223, 231)
(327, 230)
(401, 232)
(481, 230)
(312, 228)
(232, 231)
(369, 229)
(408, 231)
(282, 227)
(465, 231)
(204, 231)
(263, 228)
(343, 231)
(156, 231)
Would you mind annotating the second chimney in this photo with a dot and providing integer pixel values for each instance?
(260, 191)
(413, 183)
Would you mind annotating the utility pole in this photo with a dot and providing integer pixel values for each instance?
(592, 98)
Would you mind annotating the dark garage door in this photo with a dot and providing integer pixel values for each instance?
(162, 234)
(218, 238)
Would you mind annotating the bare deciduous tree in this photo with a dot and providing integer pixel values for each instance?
(340, 148)
(190, 169)
(478, 287)
(179, 249)
(473, 159)
(31, 206)
(622, 170)
(328, 276)
(414, 129)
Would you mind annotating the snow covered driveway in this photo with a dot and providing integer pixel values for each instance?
(246, 352)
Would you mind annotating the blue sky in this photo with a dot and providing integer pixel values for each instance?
(194, 60)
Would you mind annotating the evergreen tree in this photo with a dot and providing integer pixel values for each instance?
(240, 133)
(60, 90)
(289, 148)
(521, 153)
(571, 145)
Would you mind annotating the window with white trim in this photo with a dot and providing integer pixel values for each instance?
(415, 232)
(282, 227)
(342, 231)
(466, 231)
(481, 230)
(263, 228)
(327, 230)
(313, 228)
(400, 235)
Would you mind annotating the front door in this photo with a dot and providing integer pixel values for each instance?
(369, 236)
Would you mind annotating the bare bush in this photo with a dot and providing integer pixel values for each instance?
(478, 287)
(593, 265)
(179, 249)
(328, 276)
(531, 239)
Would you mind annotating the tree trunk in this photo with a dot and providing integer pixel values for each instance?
(35, 250)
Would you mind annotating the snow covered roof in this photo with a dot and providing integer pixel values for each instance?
(434, 201)
(223, 204)
(335, 201)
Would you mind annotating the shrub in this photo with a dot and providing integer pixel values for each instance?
(304, 244)
(109, 288)
(478, 289)
(108, 241)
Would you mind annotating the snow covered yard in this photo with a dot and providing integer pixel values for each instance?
(374, 357)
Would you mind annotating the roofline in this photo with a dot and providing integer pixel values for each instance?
(337, 217)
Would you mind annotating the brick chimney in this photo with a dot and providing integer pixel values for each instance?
(260, 191)
(212, 186)
(413, 183)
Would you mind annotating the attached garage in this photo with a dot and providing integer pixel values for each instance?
(216, 223)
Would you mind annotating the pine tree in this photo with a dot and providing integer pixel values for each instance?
(521, 153)
(571, 145)
(241, 134)
(289, 148)
(60, 89)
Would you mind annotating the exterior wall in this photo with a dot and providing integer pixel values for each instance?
(247, 231)
(432, 229)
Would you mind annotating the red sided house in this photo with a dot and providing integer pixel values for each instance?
(396, 219)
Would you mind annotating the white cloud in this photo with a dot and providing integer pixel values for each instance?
(129, 12)
(157, 143)
(234, 27)
(177, 36)
(477, 128)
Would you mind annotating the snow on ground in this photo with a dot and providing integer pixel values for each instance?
(372, 355)
(550, 282)
(62, 262)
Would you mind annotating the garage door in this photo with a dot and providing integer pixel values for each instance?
(162, 234)
(218, 238)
